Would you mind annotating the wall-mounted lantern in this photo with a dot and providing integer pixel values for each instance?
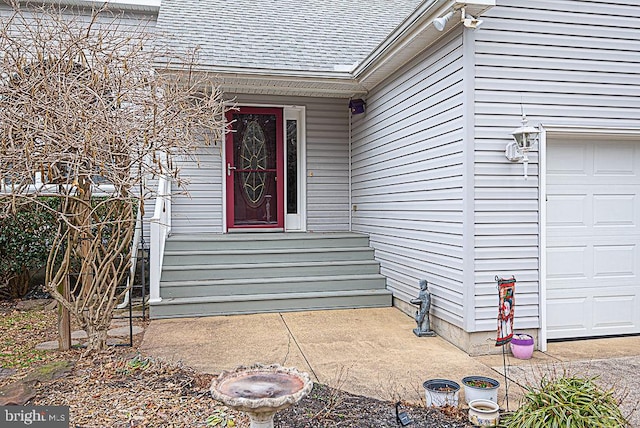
(525, 137)
(357, 106)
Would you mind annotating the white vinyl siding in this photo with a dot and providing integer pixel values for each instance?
(327, 127)
(569, 63)
(198, 207)
(407, 169)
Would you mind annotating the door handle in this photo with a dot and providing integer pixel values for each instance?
(229, 168)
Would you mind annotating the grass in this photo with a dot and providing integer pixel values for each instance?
(28, 328)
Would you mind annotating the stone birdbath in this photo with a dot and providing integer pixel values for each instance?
(261, 390)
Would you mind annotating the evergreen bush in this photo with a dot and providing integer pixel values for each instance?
(25, 241)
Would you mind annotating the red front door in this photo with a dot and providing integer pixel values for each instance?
(255, 168)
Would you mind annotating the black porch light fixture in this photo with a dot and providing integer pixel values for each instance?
(357, 106)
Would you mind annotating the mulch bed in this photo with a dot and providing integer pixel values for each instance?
(121, 388)
(328, 407)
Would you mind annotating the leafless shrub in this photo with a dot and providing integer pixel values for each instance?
(395, 389)
(335, 398)
(84, 112)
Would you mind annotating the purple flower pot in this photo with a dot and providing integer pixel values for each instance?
(522, 346)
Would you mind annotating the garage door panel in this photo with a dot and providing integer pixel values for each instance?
(614, 261)
(567, 262)
(558, 165)
(614, 311)
(566, 210)
(614, 210)
(593, 234)
(567, 317)
(615, 159)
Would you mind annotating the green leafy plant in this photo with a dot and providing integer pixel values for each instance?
(220, 418)
(137, 363)
(25, 240)
(567, 401)
(479, 383)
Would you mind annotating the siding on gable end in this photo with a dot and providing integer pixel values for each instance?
(569, 63)
(407, 177)
(327, 126)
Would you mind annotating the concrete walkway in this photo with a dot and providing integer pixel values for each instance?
(370, 352)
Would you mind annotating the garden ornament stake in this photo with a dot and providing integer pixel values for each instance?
(506, 305)
(402, 418)
(422, 315)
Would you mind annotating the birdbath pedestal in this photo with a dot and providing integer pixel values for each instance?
(260, 391)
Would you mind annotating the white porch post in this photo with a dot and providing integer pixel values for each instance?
(160, 227)
(154, 261)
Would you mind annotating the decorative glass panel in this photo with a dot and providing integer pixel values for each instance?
(254, 152)
(253, 160)
(292, 166)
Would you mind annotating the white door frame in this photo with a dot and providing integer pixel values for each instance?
(297, 222)
(558, 131)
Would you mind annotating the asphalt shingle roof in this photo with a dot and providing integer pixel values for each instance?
(288, 35)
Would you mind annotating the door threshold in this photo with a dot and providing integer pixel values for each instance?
(255, 230)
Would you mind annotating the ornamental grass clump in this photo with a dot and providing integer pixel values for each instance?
(567, 401)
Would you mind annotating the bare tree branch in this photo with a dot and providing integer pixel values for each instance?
(82, 108)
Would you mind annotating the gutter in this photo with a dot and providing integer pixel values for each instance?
(411, 37)
(279, 82)
(152, 6)
(404, 31)
(271, 72)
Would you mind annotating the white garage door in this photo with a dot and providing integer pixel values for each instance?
(593, 237)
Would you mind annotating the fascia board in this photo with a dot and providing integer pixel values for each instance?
(152, 6)
(338, 84)
(424, 13)
(261, 72)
